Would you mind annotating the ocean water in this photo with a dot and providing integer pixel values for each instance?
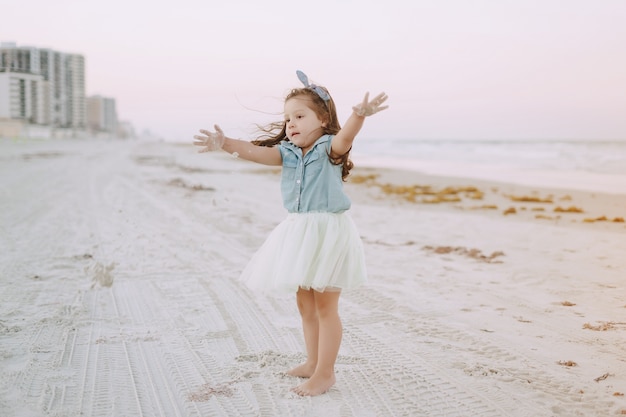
(592, 165)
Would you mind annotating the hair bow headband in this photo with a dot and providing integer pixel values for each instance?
(319, 90)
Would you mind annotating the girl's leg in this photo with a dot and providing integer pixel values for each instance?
(329, 339)
(310, 327)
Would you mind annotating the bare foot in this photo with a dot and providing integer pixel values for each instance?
(304, 370)
(317, 385)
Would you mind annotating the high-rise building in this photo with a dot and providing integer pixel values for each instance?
(77, 111)
(21, 85)
(102, 114)
(40, 86)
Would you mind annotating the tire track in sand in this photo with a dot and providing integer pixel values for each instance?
(484, 377)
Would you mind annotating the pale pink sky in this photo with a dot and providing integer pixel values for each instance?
(452, 68)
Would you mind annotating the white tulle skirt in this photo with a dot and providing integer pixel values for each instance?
(320, 251)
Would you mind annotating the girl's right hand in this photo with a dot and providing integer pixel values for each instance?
(209, 140)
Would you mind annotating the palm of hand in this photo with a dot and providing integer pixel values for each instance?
(211, 141)
(368, 108)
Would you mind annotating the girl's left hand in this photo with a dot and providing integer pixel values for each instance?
(368, 108)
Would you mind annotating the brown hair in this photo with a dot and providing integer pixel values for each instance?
(276, 132)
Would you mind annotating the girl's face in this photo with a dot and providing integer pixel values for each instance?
(302, 125)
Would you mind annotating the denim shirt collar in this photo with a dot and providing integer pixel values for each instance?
(298, 151)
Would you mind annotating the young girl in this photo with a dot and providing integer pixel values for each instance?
(316, 251)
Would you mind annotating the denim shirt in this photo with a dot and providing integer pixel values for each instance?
(312, 183)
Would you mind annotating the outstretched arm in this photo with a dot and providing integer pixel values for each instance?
(213, 141)
(342, 142)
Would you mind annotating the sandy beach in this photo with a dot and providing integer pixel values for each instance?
(119, 293)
